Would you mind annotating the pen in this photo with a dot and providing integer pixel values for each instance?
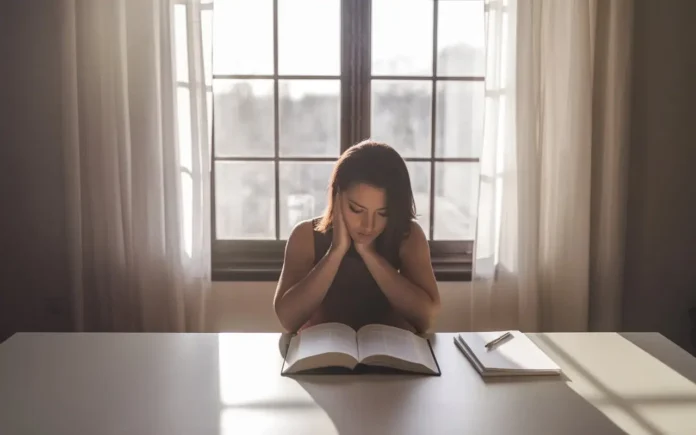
(498, 340)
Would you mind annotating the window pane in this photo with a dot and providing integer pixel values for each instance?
(402, 37)
(302, 192)
(245, 200)
(309, 117)
(460, 38)
(243, 32)
(244, 118)
(401, 115)
(420, 184)
(309, 37)
(459, 120)
(456, 200)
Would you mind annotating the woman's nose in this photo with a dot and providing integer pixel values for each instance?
(367, 223)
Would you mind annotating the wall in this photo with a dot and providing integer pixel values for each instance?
(660, 275)
(33, 273)
(248, 306)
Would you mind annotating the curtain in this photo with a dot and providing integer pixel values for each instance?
(136, 144)
(550, 234)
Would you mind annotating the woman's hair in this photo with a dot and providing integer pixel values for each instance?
(378, 165)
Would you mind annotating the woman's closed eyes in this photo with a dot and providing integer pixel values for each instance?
(357, 211)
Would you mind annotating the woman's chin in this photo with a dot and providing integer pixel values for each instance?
(362, 240)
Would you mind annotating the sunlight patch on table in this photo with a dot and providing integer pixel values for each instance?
(250, 367)
(670, 418)
(637, 391)
(645, 375)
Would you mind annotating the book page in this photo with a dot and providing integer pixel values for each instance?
(322, 339)
(396, 343)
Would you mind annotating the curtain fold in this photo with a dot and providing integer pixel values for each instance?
(136, 144)
(549, 249)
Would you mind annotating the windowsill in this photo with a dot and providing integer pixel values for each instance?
(263, 260)
(443, 273)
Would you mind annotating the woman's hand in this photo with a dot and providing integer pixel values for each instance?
(341, 239)
(364, 249)
(412, 290)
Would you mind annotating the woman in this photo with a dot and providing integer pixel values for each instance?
(365, 260)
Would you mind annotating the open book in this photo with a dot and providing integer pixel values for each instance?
(516, 356)
(335, 345)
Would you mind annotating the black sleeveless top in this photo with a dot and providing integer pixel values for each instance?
(354, 298)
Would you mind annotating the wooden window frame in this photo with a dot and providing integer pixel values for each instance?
(262, 260)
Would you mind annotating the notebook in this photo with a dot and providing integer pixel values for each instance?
(334, 348)
(516, 356)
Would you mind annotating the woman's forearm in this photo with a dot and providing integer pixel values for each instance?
(298, 304)
(409, 300)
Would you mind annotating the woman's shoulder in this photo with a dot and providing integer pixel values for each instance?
(414, 239)
(304, 230)
(301, 240)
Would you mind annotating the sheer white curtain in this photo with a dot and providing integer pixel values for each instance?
(136, 145)
(550, 236)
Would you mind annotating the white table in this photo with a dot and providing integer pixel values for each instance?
(65, 384)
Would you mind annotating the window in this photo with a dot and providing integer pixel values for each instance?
(296, 82)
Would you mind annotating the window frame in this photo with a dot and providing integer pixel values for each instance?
(262, 260)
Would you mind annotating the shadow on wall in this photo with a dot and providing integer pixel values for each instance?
(33, 272)
(692, 316)
(660, 277)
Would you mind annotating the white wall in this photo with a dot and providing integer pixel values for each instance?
(248, 307)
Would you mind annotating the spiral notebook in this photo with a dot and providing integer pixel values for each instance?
(517, 356)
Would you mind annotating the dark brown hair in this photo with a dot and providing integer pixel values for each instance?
(378, 165)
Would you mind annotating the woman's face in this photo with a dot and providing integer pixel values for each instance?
(365, 212)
